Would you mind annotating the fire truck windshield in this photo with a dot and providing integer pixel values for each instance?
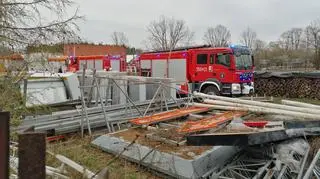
(243, 62)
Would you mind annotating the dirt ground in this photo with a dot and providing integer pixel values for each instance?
(182, 151)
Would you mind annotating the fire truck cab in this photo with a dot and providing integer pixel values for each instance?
(211, 70)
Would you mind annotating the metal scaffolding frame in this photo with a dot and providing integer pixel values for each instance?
(263, 162)
(160, 98)
(314, 168)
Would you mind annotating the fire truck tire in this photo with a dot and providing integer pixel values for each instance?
(211, 90)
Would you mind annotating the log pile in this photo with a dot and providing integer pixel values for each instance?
(295, 86)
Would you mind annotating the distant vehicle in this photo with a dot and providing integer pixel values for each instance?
(211, 70)
(98, 62)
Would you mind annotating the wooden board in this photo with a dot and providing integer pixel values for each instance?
(168, 115)
(210, 122)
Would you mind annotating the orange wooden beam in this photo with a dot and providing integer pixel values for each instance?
(168, 115)
(210, 122)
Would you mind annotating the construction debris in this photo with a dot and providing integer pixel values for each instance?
(313, 170)
(217, 137)
(284, 160)
(168, 115)
(179, 162)
(209, 123)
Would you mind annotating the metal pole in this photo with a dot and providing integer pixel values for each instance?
(303, 163)
(153, 98)
(312, 166)
(25, 88)
(127, 97)
(102, 107)
(92, 87)
(170, 95)
(32, 155)
(107, 92)
(165, 100)
(84, 108)
(4, 143)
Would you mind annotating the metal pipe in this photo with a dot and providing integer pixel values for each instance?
(236, 107)
(303, 163)
(84, 111)
(258, 103)
(312, 166)
(300, 104)
(102, 108)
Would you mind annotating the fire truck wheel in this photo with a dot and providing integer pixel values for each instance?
(211, 90)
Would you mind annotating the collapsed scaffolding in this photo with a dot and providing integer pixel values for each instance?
(114, 101)
(112, 88)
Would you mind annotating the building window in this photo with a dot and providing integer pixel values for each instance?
(202, 58)
(224, 60)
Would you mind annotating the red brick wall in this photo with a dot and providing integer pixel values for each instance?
(87, 49)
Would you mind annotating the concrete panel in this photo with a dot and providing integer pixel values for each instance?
(45, 91)
(82, 63)
(103, 79)
(115, 65)
(145, 64)
(168, 163)
(137, 92)
(98, 64)
(177, 70)
(159, 68)
(72, 85)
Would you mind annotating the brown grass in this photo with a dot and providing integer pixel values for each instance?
(80, 151)
(182, 151)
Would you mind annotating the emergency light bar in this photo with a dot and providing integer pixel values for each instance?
(240, 49)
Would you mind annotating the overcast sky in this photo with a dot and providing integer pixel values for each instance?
(269, 18)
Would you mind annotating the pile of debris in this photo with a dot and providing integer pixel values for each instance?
(222, 137)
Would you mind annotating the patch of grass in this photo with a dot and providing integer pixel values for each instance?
(80, 151)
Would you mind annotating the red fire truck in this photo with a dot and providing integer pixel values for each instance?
(219, 71)
(98, 62)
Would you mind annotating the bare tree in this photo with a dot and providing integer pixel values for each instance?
(249, 37)
(119, 38)
(22, 22)
(259, 45)
(313, 33)
(296, 37)
(218, 36)
(290, 40)
(168, 33)
(285, 40)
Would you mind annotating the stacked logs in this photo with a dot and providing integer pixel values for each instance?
(289, 87)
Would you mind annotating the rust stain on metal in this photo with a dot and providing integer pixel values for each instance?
(209, 123)
(4, 144)
(32, 156)
(168, 115)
